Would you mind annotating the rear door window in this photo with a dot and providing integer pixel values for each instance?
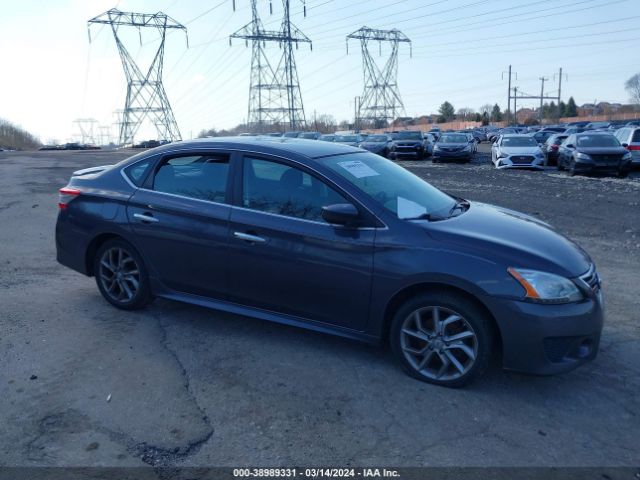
(203, 177)
(636, 137)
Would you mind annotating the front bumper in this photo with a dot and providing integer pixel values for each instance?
(457, 154)
(591, 166)
(507, 162)
(548, 339)
(400, 151)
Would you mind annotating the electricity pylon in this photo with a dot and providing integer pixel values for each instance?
(380, 100)
(86, 127)
(274, 93)
(146, 97)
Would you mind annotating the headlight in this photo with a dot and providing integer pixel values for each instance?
(627, 156)
(436, 147)
(468, 147)
(583, 156)
(543, 287)
(503, 155)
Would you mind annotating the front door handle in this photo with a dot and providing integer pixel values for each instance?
(145, 217)
(247, 237)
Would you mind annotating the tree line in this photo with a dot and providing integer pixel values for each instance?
(493, 113)
(14, 137)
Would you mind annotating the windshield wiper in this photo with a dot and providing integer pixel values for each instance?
(425, 216)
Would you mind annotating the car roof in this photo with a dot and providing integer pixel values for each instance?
(264, 144)
(517, 135)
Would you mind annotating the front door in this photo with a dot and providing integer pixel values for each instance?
(285, 258)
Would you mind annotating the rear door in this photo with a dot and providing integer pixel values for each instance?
(181, 221)
(285, 258)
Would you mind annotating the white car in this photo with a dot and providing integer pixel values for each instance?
(516, 151)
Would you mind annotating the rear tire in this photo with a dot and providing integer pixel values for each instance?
(572, 167)
(121, 275)
(449, 348)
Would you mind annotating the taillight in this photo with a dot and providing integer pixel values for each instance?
(633, 147)
(66, 195)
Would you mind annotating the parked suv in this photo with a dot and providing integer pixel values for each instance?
(407, 143)
(338, 240)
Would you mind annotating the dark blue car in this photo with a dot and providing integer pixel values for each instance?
(338, 240)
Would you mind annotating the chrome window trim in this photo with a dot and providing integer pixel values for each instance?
(216, 149)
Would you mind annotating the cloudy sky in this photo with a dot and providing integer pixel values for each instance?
(51, 74)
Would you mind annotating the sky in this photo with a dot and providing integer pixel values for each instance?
(51, 75)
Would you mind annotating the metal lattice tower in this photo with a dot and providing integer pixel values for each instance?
(146, 97)
(274, 93)
(86, 128)
(380, 101)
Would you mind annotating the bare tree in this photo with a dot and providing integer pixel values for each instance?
(465, 113)
(486, 108)
(633, 87)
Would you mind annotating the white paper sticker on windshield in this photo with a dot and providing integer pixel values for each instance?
(409, 209)
(358, 169)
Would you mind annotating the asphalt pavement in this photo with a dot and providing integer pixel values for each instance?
(85, 384)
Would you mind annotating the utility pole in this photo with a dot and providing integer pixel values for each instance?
(274, 93)
(542, 79)
(146, 97)
(515, 105)
(380, 100)
(509, 96)
(559, 92)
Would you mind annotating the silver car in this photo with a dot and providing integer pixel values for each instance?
(629, 137)
(516, 151)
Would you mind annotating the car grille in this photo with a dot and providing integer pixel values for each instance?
(452, 149)
(591, 279)
(606, 159)
(521, 159)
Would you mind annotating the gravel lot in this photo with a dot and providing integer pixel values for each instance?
(82, 383)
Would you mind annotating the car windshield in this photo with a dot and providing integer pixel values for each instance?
(307, 135)
(346, 138)
(397, 189)
(598, 141)
(376, 138)
(459, 138)
(409, 136)
(519, 142)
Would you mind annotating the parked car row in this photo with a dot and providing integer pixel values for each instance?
(586, 152)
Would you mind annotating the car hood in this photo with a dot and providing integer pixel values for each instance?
(602, 150)
(451, 145)
(373, 145)
(513, 239)
(520, 150)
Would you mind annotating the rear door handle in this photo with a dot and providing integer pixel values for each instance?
(145, 217)
(247, 237)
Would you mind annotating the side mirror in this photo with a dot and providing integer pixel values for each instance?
(340, 214)
(570, 146)
(625, 145)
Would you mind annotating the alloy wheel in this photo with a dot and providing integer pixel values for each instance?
(439, 343)
(119, 274)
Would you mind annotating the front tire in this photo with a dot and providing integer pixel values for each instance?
(442, 338)
(572, 167)
(121, 275)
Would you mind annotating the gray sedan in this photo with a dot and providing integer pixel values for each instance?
(516, 151)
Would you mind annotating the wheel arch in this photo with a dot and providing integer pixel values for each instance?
(93, 246)
(416, 289)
